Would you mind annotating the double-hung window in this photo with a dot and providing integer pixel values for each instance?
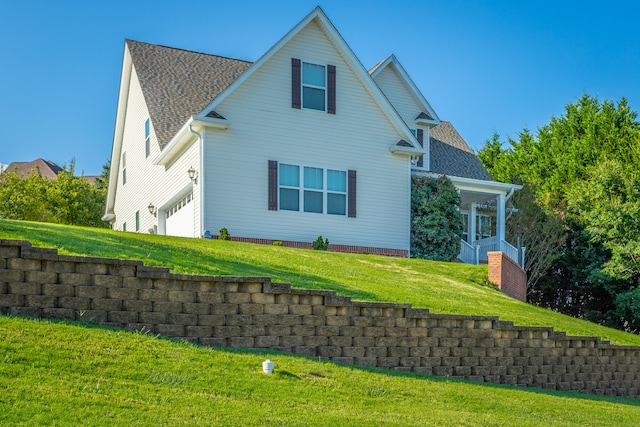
(336, 192)
(289, 187)
(147, 137)
(484, 226)
(314, 84)
(124, 168)
(314, 190)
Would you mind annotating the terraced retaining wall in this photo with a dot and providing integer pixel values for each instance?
(252, 312)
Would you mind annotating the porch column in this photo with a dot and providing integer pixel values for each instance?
(472, 223)
(500, 218)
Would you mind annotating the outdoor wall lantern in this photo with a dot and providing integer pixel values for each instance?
(193, 175)
(153, 210)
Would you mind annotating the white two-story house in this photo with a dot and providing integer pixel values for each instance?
(302, 142)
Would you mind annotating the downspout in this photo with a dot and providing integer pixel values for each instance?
(505, 207)
(410, 188)
(201, 176)
(509, 195)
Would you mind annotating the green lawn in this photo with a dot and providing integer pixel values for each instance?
(57, 373)
(441, 287)
(66, 374)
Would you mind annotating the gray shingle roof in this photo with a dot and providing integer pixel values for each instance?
(450, 154)
(177, 83)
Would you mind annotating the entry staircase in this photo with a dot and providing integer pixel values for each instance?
(476, 253)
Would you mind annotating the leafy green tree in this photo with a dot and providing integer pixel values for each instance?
(68, 199)
(542, 234)
(436, 223)
(582, 170)
(609, 204)
(628, 309)
(24, 198)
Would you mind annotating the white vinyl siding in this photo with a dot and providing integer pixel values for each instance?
(265, 127)
(146, 183)
(403, 100)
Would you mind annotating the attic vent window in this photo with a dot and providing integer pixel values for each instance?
(214, 115)
(424, 116)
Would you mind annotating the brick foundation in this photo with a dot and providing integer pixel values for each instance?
(333, 248)
(252, 312)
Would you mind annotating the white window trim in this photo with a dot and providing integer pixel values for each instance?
(325, 191)
(324, 88)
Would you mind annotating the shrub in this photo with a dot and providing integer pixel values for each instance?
(224, 234)
(277, 243)
(628, 310)
(321, 245)
(436, 223)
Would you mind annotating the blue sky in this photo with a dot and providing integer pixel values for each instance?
(485, 66)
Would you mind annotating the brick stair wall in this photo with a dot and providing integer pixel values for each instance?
(253, 312)
(507, 275)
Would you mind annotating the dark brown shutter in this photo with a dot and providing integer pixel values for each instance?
(273, 185)
(351, 193)
(295, 83)
(331, 89)
(420, 136)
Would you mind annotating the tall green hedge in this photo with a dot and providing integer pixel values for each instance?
(436, 223)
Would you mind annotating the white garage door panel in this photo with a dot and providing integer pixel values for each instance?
(180, 223)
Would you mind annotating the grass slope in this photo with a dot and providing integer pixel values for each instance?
(67, 374)
(442, 287)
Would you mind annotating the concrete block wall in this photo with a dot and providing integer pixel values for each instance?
(252, 312)
(507, 275)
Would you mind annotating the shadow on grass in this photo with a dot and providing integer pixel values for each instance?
(629, 401)
(193, 259)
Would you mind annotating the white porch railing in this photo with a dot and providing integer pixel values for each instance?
(467, 253)
(470, 254)
(488, 244)
(510, 251)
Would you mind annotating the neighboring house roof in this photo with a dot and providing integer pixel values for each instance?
(91, 179)
(178, 83)
(450, 154)
(47, 168)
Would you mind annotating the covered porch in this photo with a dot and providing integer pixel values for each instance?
(484, 207)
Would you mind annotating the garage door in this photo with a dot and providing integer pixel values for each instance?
(179, 217)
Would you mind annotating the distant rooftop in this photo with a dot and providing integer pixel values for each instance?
(47, 168)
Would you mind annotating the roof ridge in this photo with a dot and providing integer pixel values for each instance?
(187, 50)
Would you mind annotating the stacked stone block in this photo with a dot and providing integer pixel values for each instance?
(252, 312)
